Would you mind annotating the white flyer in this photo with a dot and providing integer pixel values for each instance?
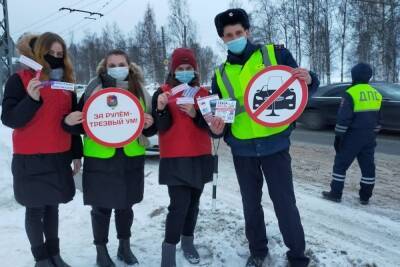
(205, 105)
(225, 109)
(62, 86)
(30, 63)
(179, 88)
(184, 100)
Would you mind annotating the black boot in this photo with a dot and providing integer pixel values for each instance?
(103, 258)
(189, 251)
(125, 253)
(329, 195)
(255, 261)
(44, 263)
(41, 256)
(364, 201)
(53, 248)
(168, 255)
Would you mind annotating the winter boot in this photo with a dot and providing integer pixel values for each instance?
(41, 256)
(329, 195)
(189, 251)
(168, 255)
(255, 261)
(103, 258)
(364, 201)
(53, 248)
(125, 253)
(44, 263)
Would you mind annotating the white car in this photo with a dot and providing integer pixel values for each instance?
(153, 149)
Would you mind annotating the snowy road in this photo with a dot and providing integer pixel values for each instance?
(345, 234)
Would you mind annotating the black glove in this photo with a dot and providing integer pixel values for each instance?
(338, 143)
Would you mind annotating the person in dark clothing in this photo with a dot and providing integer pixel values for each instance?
(186, 163)
(113, 178)
(355, 134)
(43, 151)
(258, 150)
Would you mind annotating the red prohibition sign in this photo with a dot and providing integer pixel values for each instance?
(254, 114)
(126, 93)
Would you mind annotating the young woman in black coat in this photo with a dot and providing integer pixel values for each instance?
(43, 150)
(113, 178)
(186, 163)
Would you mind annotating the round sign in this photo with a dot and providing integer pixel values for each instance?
(113, 117)
(274, 97)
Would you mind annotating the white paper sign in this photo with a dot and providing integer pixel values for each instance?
(30, 63)
(225, 109)
(179, 88)
(204, 104)
(184, 100)
(62, 86)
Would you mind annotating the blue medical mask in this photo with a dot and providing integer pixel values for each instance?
(118, 73)
(185, 76)
(237, 46)
(56, 74)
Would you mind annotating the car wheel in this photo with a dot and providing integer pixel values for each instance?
(313, 120)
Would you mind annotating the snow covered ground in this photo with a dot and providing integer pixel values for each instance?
(345, 234)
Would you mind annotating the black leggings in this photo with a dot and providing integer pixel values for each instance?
(183, 211)
(101, 224)
(41, 222)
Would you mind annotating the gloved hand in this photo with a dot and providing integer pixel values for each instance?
(338, 143)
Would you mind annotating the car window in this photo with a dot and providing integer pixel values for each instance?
(388, 90)
(336, 91)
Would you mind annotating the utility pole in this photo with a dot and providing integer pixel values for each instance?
(6, 48)
(184, 36)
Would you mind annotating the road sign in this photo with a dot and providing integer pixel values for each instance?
(113, 117)
(274, 97)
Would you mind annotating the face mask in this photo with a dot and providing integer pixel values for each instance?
(185, 76)
(56, 74)
(238, 45)
(118, 73)
(54, 62)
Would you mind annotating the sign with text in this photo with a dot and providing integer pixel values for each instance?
(113, 117)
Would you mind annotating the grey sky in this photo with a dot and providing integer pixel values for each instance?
(43, 15)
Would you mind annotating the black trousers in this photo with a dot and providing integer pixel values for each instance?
(183, 211)
(278, 175)
(101, 224)
(41, 223)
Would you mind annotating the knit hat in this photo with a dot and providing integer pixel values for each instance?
(361, 73)
(182, 56)
(231, 17)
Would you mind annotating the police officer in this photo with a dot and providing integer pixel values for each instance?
(257, 149)
(355, 133)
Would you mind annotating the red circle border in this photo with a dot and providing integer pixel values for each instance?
(304, 89)
(106, 91)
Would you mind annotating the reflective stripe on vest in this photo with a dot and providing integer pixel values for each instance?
(232, 81)
(95, 150)
(365, 98)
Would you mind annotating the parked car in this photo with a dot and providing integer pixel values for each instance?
(322, 107)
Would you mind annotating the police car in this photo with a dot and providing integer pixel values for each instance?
(322, 107)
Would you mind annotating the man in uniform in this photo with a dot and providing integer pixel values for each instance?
(257, 149)
(355, 133)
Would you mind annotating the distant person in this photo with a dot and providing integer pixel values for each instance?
(113, 178)
(43, 150)
(355, 134)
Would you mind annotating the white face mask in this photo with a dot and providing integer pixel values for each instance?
(118, 73)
